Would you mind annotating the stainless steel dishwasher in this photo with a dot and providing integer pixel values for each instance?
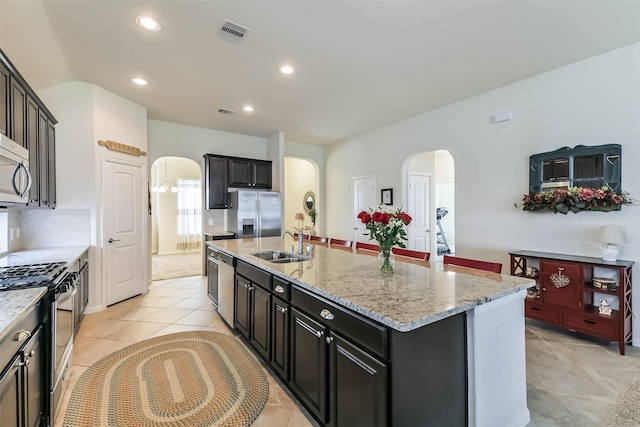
(212, 275)
(226, 298)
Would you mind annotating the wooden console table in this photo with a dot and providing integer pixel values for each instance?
(573, 301)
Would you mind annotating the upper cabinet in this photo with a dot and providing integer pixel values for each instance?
(223, 172)
(26, 120)
(216, 182)
(249, 173)
(4, 100)
(581, 166)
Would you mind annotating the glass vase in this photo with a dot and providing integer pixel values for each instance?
(386, 260)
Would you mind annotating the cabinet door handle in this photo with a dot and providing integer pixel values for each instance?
(23, 335)
(329, 340)
(326, 314)
(309, 328)
(281, 309)
(279, 289)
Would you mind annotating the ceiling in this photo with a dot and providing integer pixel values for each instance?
(359, 64)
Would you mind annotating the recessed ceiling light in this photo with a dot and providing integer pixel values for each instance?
(287, 69)
(247, 108)
(139, 81)
(147, 23)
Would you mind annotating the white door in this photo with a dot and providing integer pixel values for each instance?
(418, 208)
(123, 213)
(363, 198)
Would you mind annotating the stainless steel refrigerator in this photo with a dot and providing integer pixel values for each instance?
(255, 214)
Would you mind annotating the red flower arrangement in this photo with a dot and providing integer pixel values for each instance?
(386, 227)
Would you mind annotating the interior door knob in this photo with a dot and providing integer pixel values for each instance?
(112, 240)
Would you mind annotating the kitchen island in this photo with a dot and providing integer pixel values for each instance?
(447, 343)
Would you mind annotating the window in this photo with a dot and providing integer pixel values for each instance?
(581, 166)
(189, 214)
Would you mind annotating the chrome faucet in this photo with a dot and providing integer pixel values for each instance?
(300, 238)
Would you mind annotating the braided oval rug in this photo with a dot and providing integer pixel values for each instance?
(198, 378)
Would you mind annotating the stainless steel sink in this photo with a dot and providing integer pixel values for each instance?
(280, 257)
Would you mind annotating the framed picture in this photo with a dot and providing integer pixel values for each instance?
(386, 194)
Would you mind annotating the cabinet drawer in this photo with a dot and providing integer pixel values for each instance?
(591, 325)
(281, 288)
(350, 325)
(568, 269)
(541, 312)
(256, 275)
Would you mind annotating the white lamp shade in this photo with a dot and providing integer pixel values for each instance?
(612, 234)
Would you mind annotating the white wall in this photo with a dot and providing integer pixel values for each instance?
(596, 101)
(85, 114)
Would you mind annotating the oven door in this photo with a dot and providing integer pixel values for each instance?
(62, 325)
(15, 180)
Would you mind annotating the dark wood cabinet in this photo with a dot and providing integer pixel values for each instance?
(10, 395)
(82, 297)
(33, 118)
(18, 110)
(223, 172)
(4, 100)
(242, 305)
(280, 310)
(260, 333)
(28, 122)
(253, 307)
(309, 363)
(33, 362)
(216, 181)
(358, 386)
(249, 173)
(22, 383)
(569, 290)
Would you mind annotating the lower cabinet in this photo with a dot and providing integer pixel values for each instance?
(309, 363)
(253, 315)
(280, 337)
(357, 386)
(341, 384)
(22, 385)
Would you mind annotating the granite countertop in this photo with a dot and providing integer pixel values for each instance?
(15, 303)
(411, 297)
(66, 254)
(218, 233)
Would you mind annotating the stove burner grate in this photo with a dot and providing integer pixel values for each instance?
(28, 276)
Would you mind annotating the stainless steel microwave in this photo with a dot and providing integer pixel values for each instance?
(15, 179)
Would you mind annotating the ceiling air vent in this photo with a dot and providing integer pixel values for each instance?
(233, 31)
(225, 111)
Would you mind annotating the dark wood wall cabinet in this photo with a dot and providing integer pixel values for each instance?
(569, 291)
(337, 363)
(26, 120)
(224, 172)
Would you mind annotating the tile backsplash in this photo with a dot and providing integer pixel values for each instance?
(42, 228)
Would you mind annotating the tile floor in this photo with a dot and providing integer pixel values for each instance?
(571, 379)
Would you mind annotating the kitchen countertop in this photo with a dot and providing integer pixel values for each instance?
(411, 297)
(218, 233)
(66, 254)
(15, 303)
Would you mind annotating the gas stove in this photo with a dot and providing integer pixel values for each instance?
(30, 275)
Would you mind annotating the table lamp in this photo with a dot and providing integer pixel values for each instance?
(611, 236)
(299, 217)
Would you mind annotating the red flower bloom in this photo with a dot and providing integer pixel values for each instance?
(364, 217)
(405, 217)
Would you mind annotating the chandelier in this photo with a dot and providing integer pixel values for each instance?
(165, 186)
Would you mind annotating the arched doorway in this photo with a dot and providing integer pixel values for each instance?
(301, 195)
(433, 206)
(176, 218)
